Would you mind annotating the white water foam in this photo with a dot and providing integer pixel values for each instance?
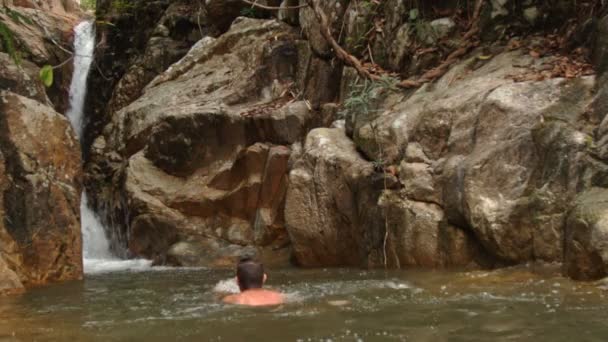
(302, 292)
(226, 286)
(84, 47)
(97, 257)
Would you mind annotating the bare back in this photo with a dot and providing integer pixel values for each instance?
(255, 297)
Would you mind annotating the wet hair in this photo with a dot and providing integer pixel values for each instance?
(250, 274)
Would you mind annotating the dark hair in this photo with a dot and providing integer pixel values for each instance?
(250, 274)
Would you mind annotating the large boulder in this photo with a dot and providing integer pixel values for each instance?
(39, 36)
(586, 255)
(198, 164)
(322, 209)
(22, 79)
(341, 211)
(40, 181)
(502, 160)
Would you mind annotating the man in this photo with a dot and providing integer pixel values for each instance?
(250, 277)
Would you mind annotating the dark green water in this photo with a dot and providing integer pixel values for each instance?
(517, 304)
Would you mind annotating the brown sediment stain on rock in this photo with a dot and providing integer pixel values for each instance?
(41, 186)
(182, 154)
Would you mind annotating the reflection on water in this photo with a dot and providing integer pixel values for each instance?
(518, 304)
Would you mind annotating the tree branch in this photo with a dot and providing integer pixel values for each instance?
(453, 57)
(340, 52)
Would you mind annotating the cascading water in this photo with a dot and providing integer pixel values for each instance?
(95, 245)
(84, 46)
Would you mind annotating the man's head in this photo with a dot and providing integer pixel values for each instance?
(250, 274)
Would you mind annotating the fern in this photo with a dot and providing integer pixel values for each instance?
(8, 43)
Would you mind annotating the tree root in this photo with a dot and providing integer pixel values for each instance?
(453, 57)
(350, 60)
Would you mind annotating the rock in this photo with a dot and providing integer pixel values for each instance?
(400, 49)
(531, 15)
(290, 16)
(128, 57)
(600, 47)
(322, 86)
(221, 13)
(500, 162)
(321, 210)
(418, 182)
(22, 79)
(211, 253)
(338, 210)
(334, 10)
(418, 235)
(32, 32)
(60, 7)
(202, 156)
(586, 250)
(9, 281)
(176, 31)
(443, 27)
(40, 239)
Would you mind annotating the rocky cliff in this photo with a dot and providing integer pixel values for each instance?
(40, 163)
(258, 140)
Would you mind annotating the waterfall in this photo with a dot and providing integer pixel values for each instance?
(95, 243)
(84, 46)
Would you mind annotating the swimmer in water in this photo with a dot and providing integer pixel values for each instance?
(250, 277)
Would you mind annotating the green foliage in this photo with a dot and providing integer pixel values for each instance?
(359, 38)
(122, 6)
(8, 43)
(89, 5)
(17, 17)
(251, 12)
(365, 96)
(414, 14)
(46, 75)
(425, 33)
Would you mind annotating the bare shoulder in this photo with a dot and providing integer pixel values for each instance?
(231, 299)
(274, 296)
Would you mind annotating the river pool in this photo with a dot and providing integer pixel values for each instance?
(515, 304)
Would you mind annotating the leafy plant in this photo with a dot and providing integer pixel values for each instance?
(8, 43)
(414, 14)
(364, 96)
(46, 75)
(362, 27)
(425, 32)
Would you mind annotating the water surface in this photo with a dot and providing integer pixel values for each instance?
(518, 304)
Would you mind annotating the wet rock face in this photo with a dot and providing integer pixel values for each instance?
(22, 79)
(322, 210)
(199, 162)
(586, 247)
(40, 239)
(486, 158)
(129, 56)
(33, 32)
(340, 211)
